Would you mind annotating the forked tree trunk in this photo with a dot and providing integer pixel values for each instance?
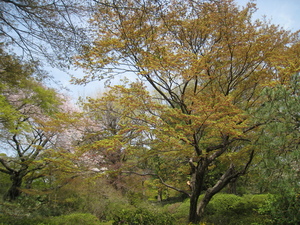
(197, 210)
(197, 181)
(223, 181)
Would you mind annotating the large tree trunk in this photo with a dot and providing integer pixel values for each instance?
(197, 210)
(14, 191)
(197, 181)
(222, 182)
(193, 217)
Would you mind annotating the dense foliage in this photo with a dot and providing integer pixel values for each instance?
(208, 133)
(203, 68)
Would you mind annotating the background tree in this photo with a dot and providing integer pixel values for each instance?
(106, 143)
(280, 138)
(54, 30)
(26, 105)
(13, 75)
(276, 170)
(208, 63)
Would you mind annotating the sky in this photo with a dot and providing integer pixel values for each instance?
(285, 13)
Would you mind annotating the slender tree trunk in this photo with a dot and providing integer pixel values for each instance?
(203, 203)
(232, 187)
(206, 199)
(159, 195)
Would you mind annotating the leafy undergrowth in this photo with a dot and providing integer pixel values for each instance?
(223, 209)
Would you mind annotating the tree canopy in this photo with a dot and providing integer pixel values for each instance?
(210, 106)
(26, 105)
(207, 63)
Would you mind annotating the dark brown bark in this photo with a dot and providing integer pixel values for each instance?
(14, 191)
(197, 210)
(222, 182)
(197, 182)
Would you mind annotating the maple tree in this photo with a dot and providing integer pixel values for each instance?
(207, 63)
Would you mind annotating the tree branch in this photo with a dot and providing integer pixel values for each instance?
(8, 169)
(160, 179)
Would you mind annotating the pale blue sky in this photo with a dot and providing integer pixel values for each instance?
(285, 13)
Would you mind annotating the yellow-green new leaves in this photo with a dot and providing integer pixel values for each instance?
(27, 124)
(213, 41)
(128, 113)
(206, 63)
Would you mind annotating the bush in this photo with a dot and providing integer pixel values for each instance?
(75, 218)
(282, 209)
(71, 219)
(180, 211)
(10, 220)
(15, 213)
(222, 204)
(142, 216)
(224, 209)
(236, 210)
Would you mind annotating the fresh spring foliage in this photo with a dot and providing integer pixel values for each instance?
(27, 107)
(213, 95)
(202, 68)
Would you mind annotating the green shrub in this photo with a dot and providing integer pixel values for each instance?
(71, 219)
(223, 204)
(180, 211)
(75, 218)
(282, 209)
(143, 216)
(17, 213)
(11, 220)
(224, 209)
(236, 210)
